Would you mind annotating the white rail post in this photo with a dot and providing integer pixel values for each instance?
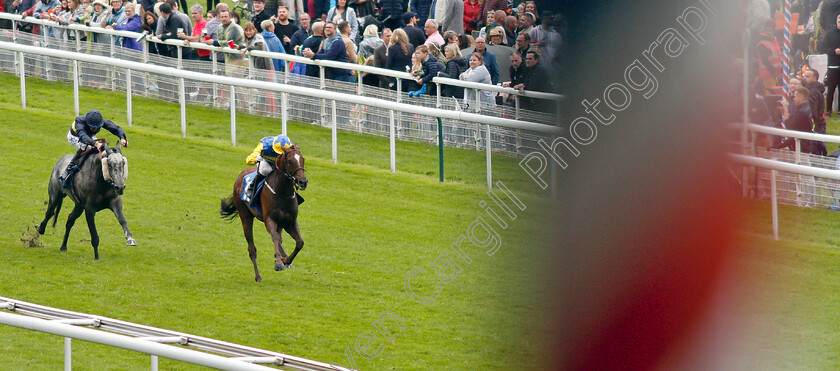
(146, 60)
(323, 85)
(489, 155)
(112, 69)
(76, 86)
(154, 360)
(334, 134)
(68, 354)
(393, 142)
(773, 205)
(232, 116)
(251, 98)
(437, 99)
(284, 103)
(215, 70)
(182, 101)
(22, 80)
(399, 99)
(128, 95)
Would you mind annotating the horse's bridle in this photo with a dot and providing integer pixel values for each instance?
(289, 176)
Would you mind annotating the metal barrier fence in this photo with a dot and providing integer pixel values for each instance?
(146, 339)
(113, 69)
(789, 177)
(355, 117)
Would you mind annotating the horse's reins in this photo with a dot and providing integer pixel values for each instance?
(288, 176)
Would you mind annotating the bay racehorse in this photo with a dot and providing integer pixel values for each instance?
(278, 203)
(98, 185)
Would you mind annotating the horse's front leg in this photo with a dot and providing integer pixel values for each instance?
(274, 230)
(71, 220)
(294, 231)
(94, 236)
(116, 207)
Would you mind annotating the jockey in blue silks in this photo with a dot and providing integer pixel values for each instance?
(82, 135)
(263, 157)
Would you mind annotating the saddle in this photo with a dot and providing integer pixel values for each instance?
(254, 202)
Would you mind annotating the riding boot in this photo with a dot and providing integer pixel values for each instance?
(67, 175)
(252, 187)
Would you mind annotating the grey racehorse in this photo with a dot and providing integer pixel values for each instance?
(98, 185)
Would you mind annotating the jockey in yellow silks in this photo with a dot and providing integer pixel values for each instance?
(263, 158)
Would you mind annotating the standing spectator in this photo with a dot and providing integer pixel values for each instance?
(523, 43)
(254, 41)
(432, 34)
(472, 15)
(488, 59)
(363, 8)
(319, 9)
(116, 16)
(147, 5)
(333, 49)
(494, 5)
(391, 12)
(799, 119)
(398, 56)
(453, 17)
(516, 71)
(546, 39)
(531, 7)
(173, 5)
(148, 27)
(259, 14)
(230, 32)
(421, 8)
(489, 24)
(295, 7)
(830, 45)
(537, 78)
(273, 43)
(437, 10)
(283, 28)
(431, 67)
(212, 28)
(342, 13)
(380, 55)
(816, 100)
(170, 31)
(132, 23)
(20, 6)
(477, 73)
(510, 30)
(465, 41)
(199, 29)
(312, 42)
(416, 36)
(302, 33)
(370, 42)
(344, 31)
(456, 65)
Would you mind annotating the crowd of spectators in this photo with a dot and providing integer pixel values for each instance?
(498, 42)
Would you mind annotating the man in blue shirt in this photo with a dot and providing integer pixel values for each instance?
(333, 50)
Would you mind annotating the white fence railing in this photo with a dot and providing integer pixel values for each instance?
(805, 179)
(79, 30)
(126, 67)
(145, 339)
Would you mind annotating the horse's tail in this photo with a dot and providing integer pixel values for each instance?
(228, 209)
(57, 209)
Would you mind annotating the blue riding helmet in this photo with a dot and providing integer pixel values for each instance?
(94, 119)
(281, 142)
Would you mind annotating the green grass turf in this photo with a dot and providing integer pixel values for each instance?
(364, 227)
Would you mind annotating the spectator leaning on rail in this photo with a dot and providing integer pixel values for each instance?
(455, 66)
(302, 33)
(477, 73)
(230, 32)
(488, 58)
(312, 42)
(199, 30)
(132, 23)
(431, 68)
(537, 78)
(117, 15)
(174, 24)
(82, 135)
(333, 49)
(283, 28)
(263, 157)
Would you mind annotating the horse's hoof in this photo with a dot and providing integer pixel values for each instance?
(63, 249)
(258, 279)
(38, 228)
(130, 241)
(279, 266)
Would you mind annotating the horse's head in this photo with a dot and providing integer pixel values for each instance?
(290, 164)
(115, 170)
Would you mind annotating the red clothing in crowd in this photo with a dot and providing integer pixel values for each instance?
(472, 12)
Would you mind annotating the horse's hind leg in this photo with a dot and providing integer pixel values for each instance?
(71, 219)
(294, 231)
(94, 237)
(52, 209)
(116, 207)
(248, 227)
